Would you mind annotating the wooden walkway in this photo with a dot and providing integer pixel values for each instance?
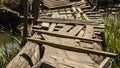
(71, 37)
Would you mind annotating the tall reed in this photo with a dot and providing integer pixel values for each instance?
(112, 36)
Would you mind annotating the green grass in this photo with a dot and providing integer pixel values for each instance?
(9, 47)
(112, 37)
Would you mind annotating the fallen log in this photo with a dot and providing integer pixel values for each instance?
(27, 57)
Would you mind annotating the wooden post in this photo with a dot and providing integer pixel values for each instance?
(36, 4)
(25, 20)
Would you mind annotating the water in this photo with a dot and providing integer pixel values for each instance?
(9, 47)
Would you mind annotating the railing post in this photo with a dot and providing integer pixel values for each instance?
(25, 31)
(36, 4)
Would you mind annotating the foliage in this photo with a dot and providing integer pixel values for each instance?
(8, 49)
(112, 37)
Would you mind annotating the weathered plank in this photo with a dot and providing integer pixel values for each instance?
(45, 25)
(89, 31)
(50, 50)
(68, 35)
(70, 16)
(36, 27)
(52, 26)
(74, 48)
(60, 25)
(63, 16)
(75, 30)
(80, 10)
(70, 63)
(68, 21)
(78, 15)
(106, 62)
(62, 40)
(57, 4)
(88, 34)
(74, 56)
(65, 28)
(55, 52)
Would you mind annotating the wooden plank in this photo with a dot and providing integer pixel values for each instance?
(106, 62)
(68, 34)
(55, 3)
(70, 63)
(55, 52)
(70, 16)
(68, 21)
(58, 4)
(100, 27)
(81, 33)
(78, 15)
(88, 34)
(66, 41)
(85, 7)
(75, 30)
(52, 26)
(55, 14)
(74, 56)
(56, 29)
(45, 25)
(74, 48)
(86, 10)
(85, 16)
(49, 50)
(60, 25)
(92, 12)
(60, 10)
(89, 31)
(95, 15)
(65, 28)
(36, 27)
(63, 16)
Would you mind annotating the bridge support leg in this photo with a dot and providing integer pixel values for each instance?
(25, 20)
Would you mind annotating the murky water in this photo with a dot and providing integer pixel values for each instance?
(9, 47)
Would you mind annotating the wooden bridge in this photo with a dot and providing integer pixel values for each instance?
(67, 35)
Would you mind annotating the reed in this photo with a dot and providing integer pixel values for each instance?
(112, 37)
(9, 47)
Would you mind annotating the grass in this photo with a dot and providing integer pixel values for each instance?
(112, 37)
(9, 47)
